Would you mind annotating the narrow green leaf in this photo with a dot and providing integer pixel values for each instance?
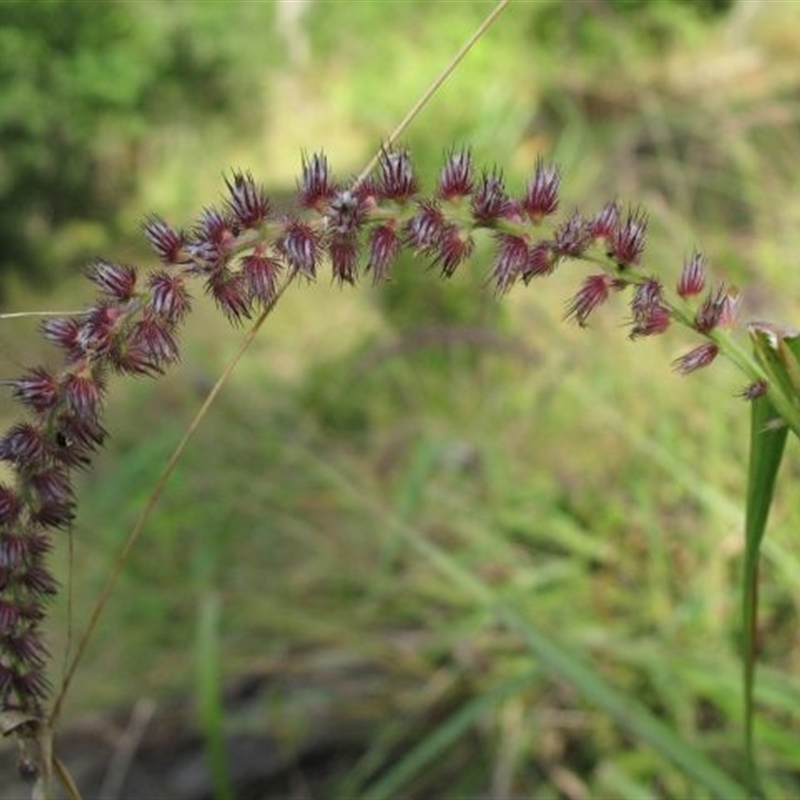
(777, 349)
(629, 714)
(554, 657)
(446, 734)
(209, 695)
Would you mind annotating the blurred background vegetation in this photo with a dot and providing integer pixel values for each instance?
(596, 492)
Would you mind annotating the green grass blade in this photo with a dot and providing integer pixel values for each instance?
(767, 442)
(445, 735)
(209, 695)
(630, 715)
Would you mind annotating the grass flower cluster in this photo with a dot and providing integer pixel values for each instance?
(243, 253)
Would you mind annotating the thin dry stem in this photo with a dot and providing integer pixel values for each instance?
(434, 87)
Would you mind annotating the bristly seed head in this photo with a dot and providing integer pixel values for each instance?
(650, 316)
(697, 358)
(65, 333)
(489, 199)
(23, 444)
(626, 244)
(605, 222)
(693, 276)
(167, 243)
(711, 311)
(231, 294)
(247, 202)
(425, 229)
(541, 261)
(116, 280)
(384, 247)
(396, 180)
(343, 254)
(754, 390)
(510, 261)
(315, 188)
(455, 246)
(572, 237)
(215, 229)
(83, 394)
(261, 273)
(169, 297)
(594, 291)
(299, 245)
(541, 196)
(455, 179)
(39, 389)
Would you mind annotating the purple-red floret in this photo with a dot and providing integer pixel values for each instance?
(54, 515)
(299, 245)
(626, 243)
(82, 432)
(157, 339)
(541, 194)
(83, 393)
(37, 579)
(754, 390)
(315, 188)
(26, 647)
(701, 356)
(52, 486)
(455, 179)
(572, 237)
(711, 311)
(231, 293)
(261, 274)
(10, 506)
(214, 235)
(14, 551)
(384, 247)
(693, 277)
(23, 444)
(78, 436)
(605, 222)
(646, 297)
(425, 228)
(653, 321)
(510, 260)
(169, 297)
(167, 242)
(9, 615)
(65, 333)
(133, 359)
(594, 291)
(99, 329)
(343, 254)
(541, 261)
(396, 180)
(116, 280)
(489, 199)
(33, 684)
(39, 389)
(455, 246)
(247, 202)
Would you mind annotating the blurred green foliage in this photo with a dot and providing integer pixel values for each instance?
(84, 84)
